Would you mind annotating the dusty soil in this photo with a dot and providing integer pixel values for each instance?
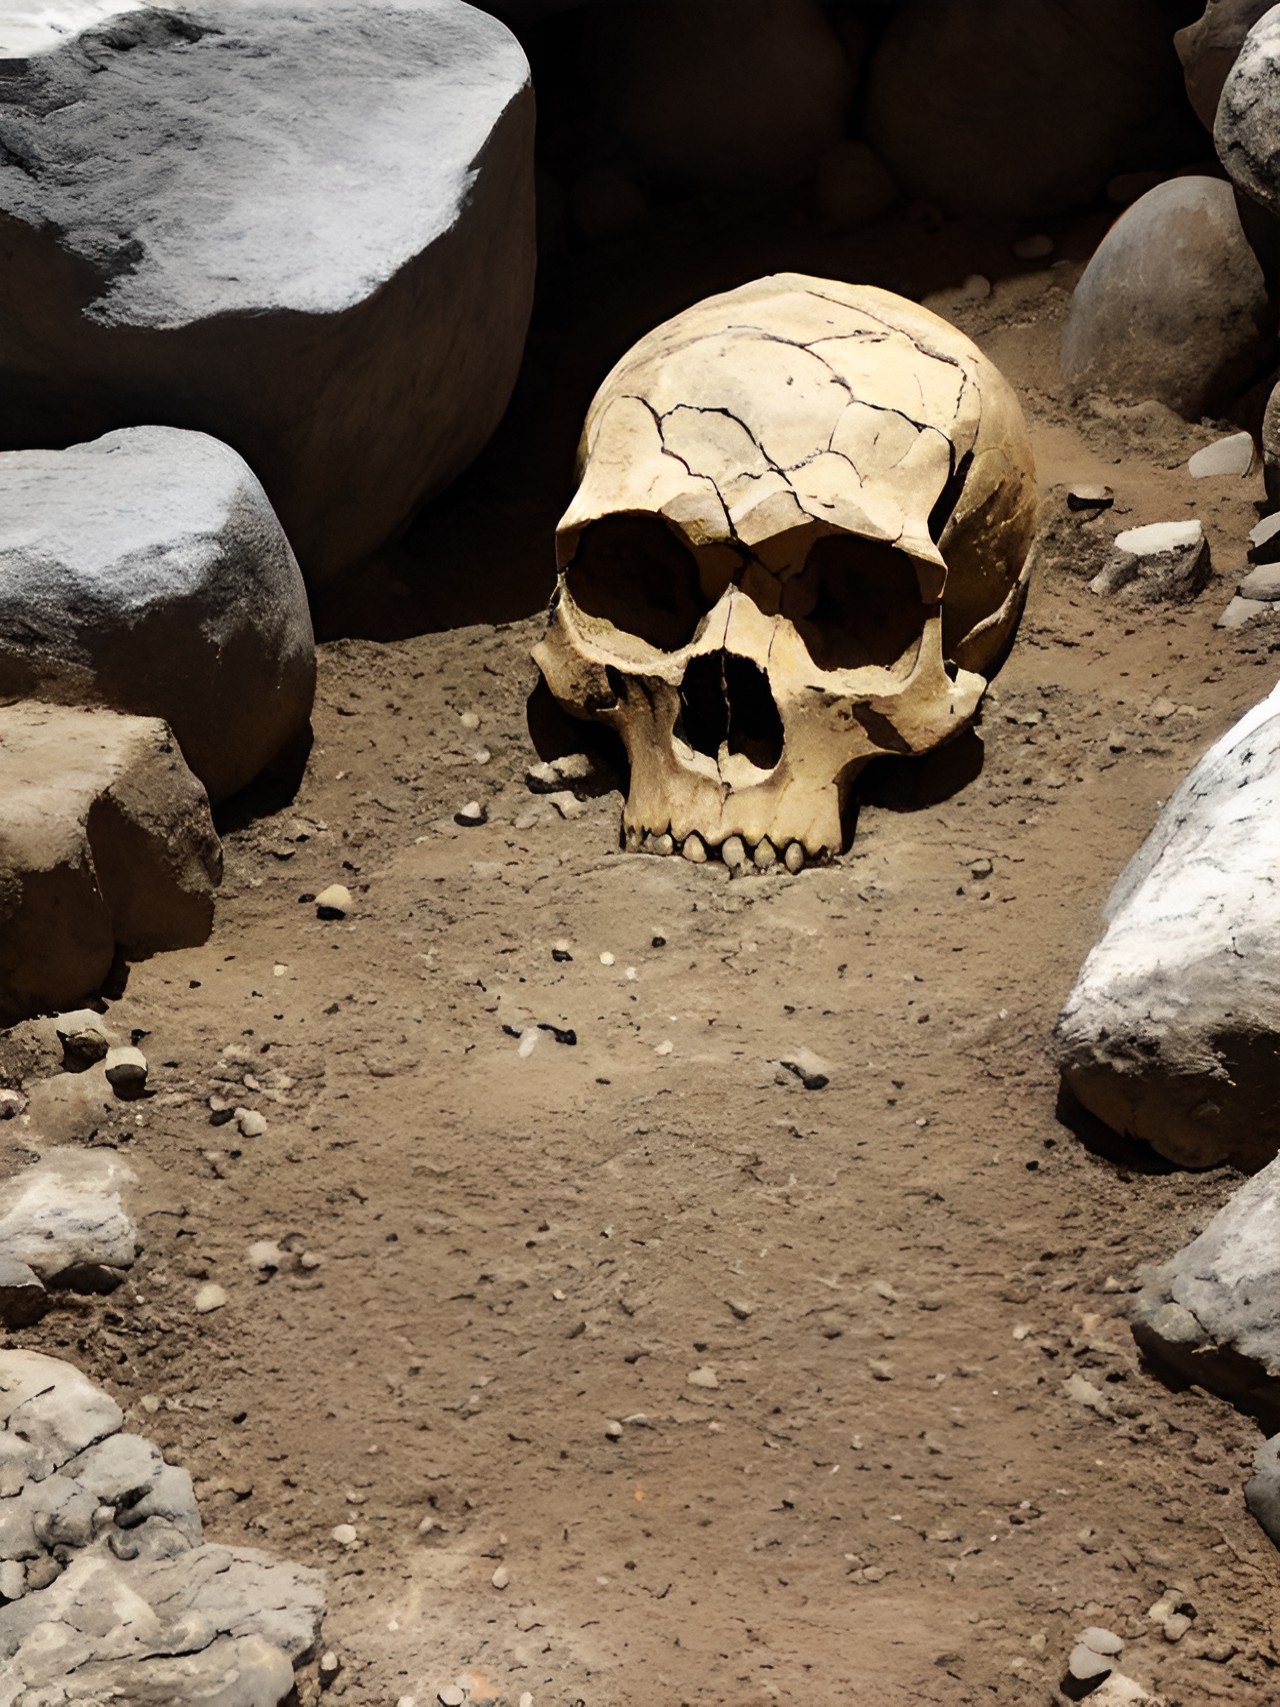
(882, 1493)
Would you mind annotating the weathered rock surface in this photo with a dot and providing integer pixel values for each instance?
(1213, 1311)
(64, 1219)
(1245, 132)
(1270, 436)
(105, 840)
(1018, 109)
(111, 1593)
(1164, 562)
(1173, 304)
(1172, 1032)
(347, 310)
(146, 572)
(1209, 47)
(1262, 1490)
(1232, 457)
(704, 92)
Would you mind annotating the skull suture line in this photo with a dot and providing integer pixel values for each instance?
(800, 540)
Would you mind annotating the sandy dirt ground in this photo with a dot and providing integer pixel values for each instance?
(642, 1373)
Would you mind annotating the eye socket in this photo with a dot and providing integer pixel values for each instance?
(856, 603)
(634, 572)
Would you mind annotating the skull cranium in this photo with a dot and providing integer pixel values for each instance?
(800, 541)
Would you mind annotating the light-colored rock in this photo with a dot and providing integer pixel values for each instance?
(1234, 455)
(208, 1298)
(348, 311)
(1209, 48)
(1270, 436)
(126, 1070)
(1262, 585)
(1244, 128)
(334, 902)
(1264, 541)
(64, 1218)
(1173, 304)
(714, 91)
(1085, 1662)
(70, 1108)
(1014, 108)
(1262, 1490)
(84, 1036)
(1162, 562)
(147, 573)
(1211, 1311)
(105, 840)
(112, 1594)
(1090, 496)
(1171, 1032)
(1240, 612)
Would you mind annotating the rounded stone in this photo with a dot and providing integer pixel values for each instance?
(1173, 306)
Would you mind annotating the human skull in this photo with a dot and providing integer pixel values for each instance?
(800, 541)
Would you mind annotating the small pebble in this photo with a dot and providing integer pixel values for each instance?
(12, 1104)
(209, 1298)
(1090, 498)
(469, 719)
(702, 1377)
(663, 1048)
(613, 1430)
(333, 902)
(1086, 1663)
(1176, 1626)
(607, 959)
(452, 1696)
(471, 816)
(330, 1665)
(265, 1254)
(526, 1700)
(251, 1123)
(501, 1577)
(567, 804)
(344, 1534)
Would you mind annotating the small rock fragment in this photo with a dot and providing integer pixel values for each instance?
(566, 804)
(1235, 455)
(1086, 497)
(12, 1104)
(251, 1123)
(702, 1377)
(23, 1299)
(345, 1535)
(1162, 561)
(1239, 612)
(471, 816)
(1085, 1663)
(451, 1696)
(330, 1666)
(333, 902)
(469, 719)
(1176, 1626)
(83, 1036)
(208, 1298)
(501, 1578)
(264, 1256)
(1264, 540)
(1262, 584)
(126, 1070)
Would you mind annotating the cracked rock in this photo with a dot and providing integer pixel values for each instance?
(64, 1219)
(1213, 1311)
(1162, 562)
(112, 1595)
(1171, 1032)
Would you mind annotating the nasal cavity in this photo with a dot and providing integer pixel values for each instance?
(725, 701)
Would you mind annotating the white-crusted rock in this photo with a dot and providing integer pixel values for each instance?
(147, 572)
(64, 1218)
(1213, 1311)
(1172, 1032)
(1244, 129)
(1162, 562)
(332, 272)
(105, 840)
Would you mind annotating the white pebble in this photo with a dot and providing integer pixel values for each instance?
(664, 1048)
(344, 1534)
(265, 1254)
(126, 1068)
(501, 1577)
(469, 719)
(330, 1665)
(471, 815)
(209, 1298)
(528, 1042)
(606, 959)
(333, 902)
(702, 1377)
(526, 1700)
(251, 1123)
(450, 1696)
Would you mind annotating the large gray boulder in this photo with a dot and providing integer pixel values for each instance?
(1208, 49)
(1018, 109)
(1212, 1312)
(1246, 131)
(112, 1594)
(706, 92)
(1172, 1032)
(305, 228)
(64, 1219)
(105, 842)
(1173, 305)
(146, 572)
